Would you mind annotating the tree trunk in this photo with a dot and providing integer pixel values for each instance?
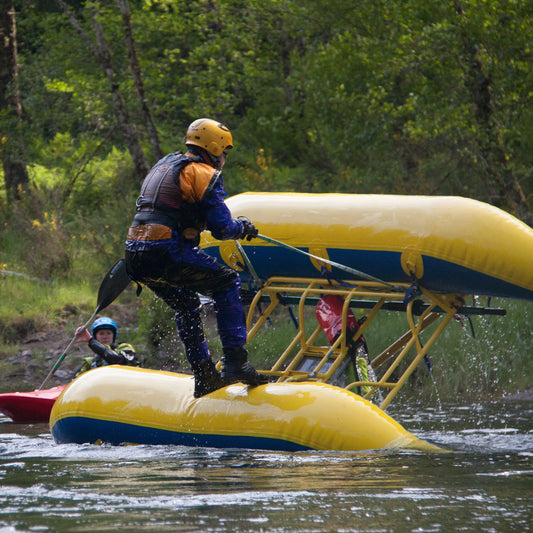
(128, 130)
(138, 80)
(491, 145)
(412, 177)
(11, 145)
(103, 56)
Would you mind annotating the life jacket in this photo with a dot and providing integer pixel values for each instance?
(127, 351)
(160, 200)
(124, 351)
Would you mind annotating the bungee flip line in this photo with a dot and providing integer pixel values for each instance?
(340, 266)
(249, 265)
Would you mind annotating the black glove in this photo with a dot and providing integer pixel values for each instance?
(249, 231)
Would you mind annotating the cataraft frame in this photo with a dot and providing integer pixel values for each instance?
(323, 363)
(414, 257)
(419, 255)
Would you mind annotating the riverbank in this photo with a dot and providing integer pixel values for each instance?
(25, 362)
(490, 360)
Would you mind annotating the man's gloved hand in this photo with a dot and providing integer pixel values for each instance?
(250, 231)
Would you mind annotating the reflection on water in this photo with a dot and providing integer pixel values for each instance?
(485, 484)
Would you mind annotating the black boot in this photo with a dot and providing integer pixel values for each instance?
(206, 378)
(235, 367)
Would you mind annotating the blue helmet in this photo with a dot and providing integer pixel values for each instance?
(105, 323)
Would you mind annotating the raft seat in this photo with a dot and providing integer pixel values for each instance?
(316, 363)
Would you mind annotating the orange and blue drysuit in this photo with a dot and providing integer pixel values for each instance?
(180, 197)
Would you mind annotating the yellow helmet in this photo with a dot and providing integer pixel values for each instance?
(210, 135)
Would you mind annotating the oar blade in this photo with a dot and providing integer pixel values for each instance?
(113, 284)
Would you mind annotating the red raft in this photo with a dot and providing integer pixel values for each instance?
(32, 406)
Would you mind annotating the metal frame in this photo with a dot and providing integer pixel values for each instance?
(421, 312)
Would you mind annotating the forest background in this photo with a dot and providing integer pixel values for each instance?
(370, 96)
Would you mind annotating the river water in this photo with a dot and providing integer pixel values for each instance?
(484, 484)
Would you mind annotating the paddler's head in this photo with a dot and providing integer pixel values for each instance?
(105, 330)
(209, 139)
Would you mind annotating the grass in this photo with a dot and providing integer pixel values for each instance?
(28, 305)
(495, 358)
(25, 297)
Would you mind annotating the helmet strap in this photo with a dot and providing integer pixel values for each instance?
(209, 159)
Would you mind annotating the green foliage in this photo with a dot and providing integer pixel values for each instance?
(411, 97)
(368, 97)
(73, 227)
(33, 240)
(157, 328)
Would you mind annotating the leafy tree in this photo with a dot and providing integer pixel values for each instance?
(414, 97)
(102, 53)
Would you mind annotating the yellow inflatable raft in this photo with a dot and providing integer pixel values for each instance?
(121, 405)
(446, 244)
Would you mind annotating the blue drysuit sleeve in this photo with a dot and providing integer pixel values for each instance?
(217, 215)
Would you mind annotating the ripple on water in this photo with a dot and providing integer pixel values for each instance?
(484, 485)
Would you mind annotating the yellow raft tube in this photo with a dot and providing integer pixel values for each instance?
(446, 244)
(121, 405)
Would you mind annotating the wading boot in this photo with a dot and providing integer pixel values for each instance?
(206, 378)
(235, 367)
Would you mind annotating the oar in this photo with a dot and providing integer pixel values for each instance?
(114, 282)
(340, 266)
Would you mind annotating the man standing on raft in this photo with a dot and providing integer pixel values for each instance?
(182, 195)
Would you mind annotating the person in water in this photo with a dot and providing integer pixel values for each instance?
(103, 342)
(182, 195)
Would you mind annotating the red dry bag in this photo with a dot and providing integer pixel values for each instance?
(329, 315)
